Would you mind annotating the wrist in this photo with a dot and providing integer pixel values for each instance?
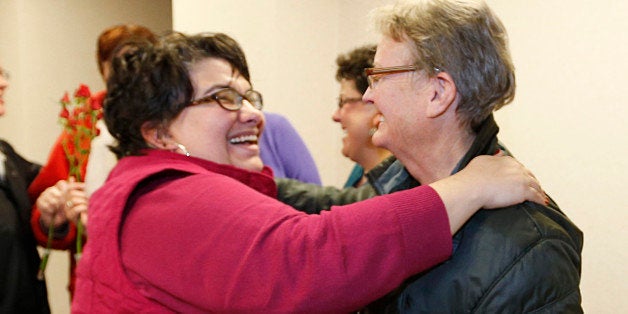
(59, 231)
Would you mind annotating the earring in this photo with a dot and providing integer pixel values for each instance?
(372, 131)
(183, 149)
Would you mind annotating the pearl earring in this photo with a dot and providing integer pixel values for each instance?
(183, 149)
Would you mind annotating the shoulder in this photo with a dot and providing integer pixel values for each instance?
(527, 247)
(516, 259)
(272, 117)
(523, 225)
(277, 123)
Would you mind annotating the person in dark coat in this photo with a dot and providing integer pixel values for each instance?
(20, 290)
(441, 68)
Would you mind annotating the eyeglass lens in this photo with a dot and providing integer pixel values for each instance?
(231, 100)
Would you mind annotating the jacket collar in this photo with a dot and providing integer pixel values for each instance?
(391, 176)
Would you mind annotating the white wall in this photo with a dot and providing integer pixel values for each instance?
(50, 47)
(566, 123)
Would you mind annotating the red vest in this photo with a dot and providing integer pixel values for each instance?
(103, 287)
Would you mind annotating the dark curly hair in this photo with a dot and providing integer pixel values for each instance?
(209, 45)
(352, 64)
(151, 83)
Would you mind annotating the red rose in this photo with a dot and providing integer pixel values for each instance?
(66, 99)
(88, 122)
(96, 103)
(64, 113)
(72, 122)
(82, 91)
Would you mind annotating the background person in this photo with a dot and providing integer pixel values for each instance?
(283, 150)
(20, 290)
(61, 200)
(356, 117)
(190, 178)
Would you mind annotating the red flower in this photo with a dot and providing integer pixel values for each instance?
(82, 91)
(78, 117)
(96, 103)
(66, 99)
(64, 113)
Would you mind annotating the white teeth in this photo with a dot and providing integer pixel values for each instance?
(381, 118)
(243, 139)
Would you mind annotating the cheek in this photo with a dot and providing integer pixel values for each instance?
(208, 135)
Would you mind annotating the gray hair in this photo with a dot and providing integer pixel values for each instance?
(465, 39)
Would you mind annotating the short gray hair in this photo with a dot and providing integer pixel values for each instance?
(465, 39)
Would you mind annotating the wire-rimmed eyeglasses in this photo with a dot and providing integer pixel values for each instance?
(230, 99)
(373, 75)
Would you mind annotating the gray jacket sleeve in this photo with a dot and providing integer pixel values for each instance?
(313, 199)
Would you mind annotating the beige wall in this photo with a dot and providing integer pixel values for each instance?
(49, 47)
(566, 123)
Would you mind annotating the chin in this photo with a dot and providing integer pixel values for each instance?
(251, 165)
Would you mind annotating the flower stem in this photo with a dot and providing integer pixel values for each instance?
(44, 259)
(79, 239)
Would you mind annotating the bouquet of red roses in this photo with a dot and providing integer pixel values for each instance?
(78, 117)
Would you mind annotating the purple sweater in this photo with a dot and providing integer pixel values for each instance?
(283, 150)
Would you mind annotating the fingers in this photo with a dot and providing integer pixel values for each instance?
(73, 186)
(535, 191)
(83, 217)
(62, 202)
(49, 200)
(76, 204)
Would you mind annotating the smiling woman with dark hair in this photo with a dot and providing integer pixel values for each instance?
(188, 220)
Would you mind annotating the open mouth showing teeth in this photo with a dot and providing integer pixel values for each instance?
(250, 139)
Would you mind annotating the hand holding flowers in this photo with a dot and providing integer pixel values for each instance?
(78, 117)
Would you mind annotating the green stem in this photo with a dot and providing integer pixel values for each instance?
(79, 239)
(44, 259)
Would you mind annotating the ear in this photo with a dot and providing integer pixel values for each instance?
(444, 95)
(154, 136)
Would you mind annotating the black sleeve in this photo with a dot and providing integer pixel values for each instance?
(313, 199)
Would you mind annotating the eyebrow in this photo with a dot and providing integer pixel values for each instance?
(215, 87)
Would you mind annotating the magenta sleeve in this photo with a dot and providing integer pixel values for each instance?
(213, 244)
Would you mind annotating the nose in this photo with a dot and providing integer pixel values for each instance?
(336, 115)
(248, 113)
(367, 98)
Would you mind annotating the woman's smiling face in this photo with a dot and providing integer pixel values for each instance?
(213, 133)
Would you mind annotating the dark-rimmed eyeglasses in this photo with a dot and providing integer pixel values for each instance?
(343, 101)
(230, 99)
(373, 75)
